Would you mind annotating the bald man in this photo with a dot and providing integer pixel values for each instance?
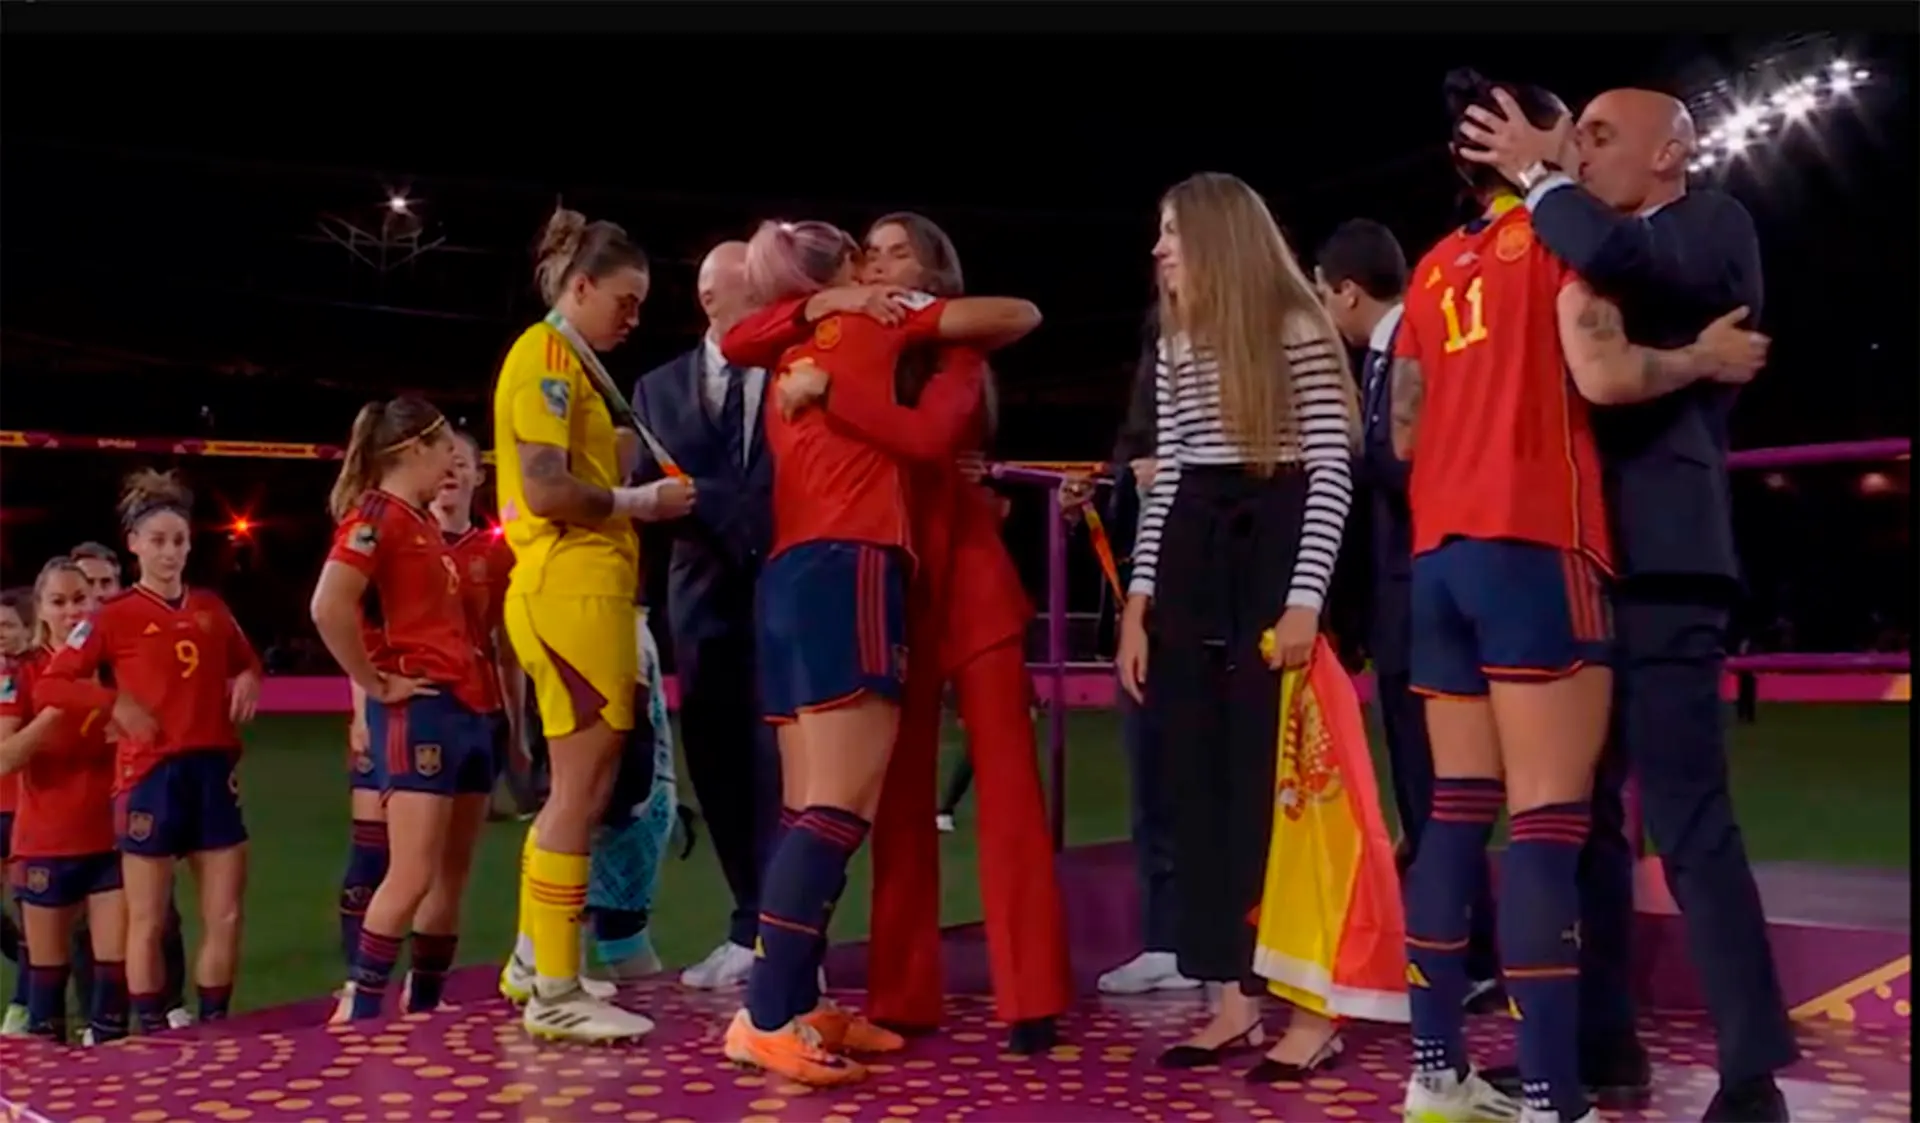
(706, 414)
(1673, 260)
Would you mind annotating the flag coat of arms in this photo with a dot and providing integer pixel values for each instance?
(1331, 932)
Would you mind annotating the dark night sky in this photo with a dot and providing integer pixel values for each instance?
(162, 193)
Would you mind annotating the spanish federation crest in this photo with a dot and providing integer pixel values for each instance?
(1513, 243)
(205, 620)
(426, 760)
(38, 878)
(139, 826)
(826, 336)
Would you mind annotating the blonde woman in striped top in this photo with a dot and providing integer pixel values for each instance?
(1257, 423)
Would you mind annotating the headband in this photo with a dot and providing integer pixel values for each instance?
(432, 428)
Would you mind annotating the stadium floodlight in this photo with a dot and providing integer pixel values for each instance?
(398, 203)
(1791, 103)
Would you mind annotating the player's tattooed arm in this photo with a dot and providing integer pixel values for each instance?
(553, 492)
(1409, 394)
(1609, 370)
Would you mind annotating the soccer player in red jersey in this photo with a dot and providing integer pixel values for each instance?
(967, 614)
(184, 678)
(65, 862)
(483, 560)
(16, 639)
(1499, 354)
(832, 636)
(429, 691)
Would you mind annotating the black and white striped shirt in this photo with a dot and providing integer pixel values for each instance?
(1190, 435)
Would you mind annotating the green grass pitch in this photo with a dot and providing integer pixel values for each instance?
(1813, 783)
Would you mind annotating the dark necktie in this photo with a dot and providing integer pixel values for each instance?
(1377, 363)
(733, 414)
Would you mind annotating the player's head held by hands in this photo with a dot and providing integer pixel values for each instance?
(1465, 88)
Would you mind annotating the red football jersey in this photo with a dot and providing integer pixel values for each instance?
(174, 658)
(827, 483)
(484, 560)
(1504, 448)
(9, 784)
(415, 597)
(66, 788)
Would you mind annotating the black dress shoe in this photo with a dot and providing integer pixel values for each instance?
(1750, 1101)
(1270, 1071)
(1033, 1035)
(1197, 1056)
(1618, 1079)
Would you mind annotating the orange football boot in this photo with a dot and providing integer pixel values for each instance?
(844, 1030)
(795, 1052)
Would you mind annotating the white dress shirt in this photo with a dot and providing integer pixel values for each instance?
(713, 388)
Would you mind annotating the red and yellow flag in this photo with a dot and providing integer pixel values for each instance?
(1331, 930)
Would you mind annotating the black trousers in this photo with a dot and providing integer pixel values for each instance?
(1669, 731)
(1403, 718)
(1226, 560)
(733, 763)
(1151, 830)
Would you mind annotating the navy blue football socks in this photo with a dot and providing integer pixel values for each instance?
(366, 866)
(1540, 950)
(806, 874)
(1439, 890)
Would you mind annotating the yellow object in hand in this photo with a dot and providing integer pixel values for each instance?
(1266, 645)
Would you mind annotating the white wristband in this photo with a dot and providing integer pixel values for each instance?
(634, 502)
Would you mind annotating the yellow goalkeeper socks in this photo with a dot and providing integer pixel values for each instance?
(556, 896)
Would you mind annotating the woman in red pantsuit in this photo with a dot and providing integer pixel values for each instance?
(967, 619)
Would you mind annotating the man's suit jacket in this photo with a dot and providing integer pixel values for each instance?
(718, 549)
(1389, 532)
(1672, 273)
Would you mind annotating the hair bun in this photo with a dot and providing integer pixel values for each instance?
(563, 234)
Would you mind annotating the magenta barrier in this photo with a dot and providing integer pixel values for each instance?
(1833, 452)
(1092, 686)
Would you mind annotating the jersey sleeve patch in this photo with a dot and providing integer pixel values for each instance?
(916, 300)
(9, 689)
(81, 634)
(558, 396)
(362, 539)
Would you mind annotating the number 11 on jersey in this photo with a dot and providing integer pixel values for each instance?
(1476, 322)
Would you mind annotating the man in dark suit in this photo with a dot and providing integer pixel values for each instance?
(1361, 276)
(1673, 260)
(707, 415)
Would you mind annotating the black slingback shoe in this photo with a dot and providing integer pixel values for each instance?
(1199, 1056)
(1270, 1071)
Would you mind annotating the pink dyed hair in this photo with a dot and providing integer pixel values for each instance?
(794, 258)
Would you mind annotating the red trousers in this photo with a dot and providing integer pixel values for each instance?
(1026, 928)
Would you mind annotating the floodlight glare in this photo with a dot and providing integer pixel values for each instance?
(397, 204)
(1790, 102)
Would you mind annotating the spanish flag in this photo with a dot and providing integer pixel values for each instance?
(1331, 933)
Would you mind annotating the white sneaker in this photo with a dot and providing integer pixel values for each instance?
(1443, 1097)
(13, 1023)
(1534, 1115)
(1148, 971)
(943, 823)
(86, 1038)
(575, 1015)
(178, 1018)
(724, 967)
(516, 983)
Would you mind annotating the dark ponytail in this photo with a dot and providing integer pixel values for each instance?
(380, 432)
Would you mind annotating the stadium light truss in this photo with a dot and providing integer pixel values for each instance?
(1762, 119)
